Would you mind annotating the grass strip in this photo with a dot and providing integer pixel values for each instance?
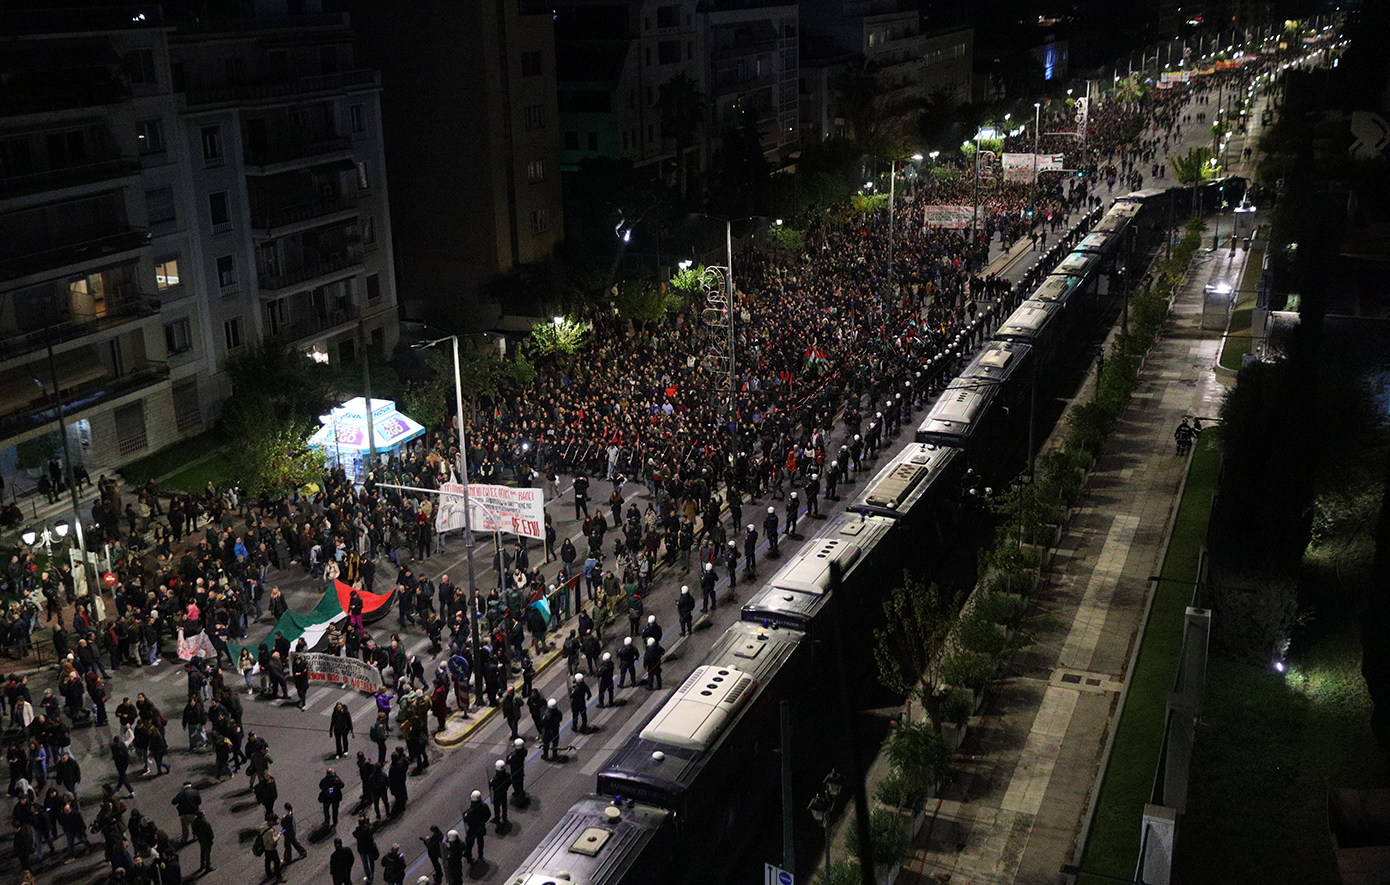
(1113, 844)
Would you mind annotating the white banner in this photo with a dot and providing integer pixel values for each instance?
(344, 671)
(198, 645)
(1019, 167)
(495, 509)
(955, 217)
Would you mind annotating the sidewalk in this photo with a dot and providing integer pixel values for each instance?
(1018, 806)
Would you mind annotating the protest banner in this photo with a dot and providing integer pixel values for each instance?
(955, 217)
(342, 670)
(506, 509)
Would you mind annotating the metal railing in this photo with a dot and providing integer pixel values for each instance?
(283, 88)
(118, 312)
(349, 257)
(273, 218)
(317, 323)
(71, 253)
(39, 411)
(53, 179)
(285, 151)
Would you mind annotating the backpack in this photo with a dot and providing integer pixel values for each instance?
(256, 847)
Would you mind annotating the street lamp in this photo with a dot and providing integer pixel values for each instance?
(823, 804)
(30, 536)
(467, 512)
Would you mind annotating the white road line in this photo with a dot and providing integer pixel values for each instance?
(1036, 761)
(1086, 628)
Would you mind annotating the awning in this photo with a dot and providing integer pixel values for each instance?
(345, 428)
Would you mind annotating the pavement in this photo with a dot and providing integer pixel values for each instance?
(1018, 804)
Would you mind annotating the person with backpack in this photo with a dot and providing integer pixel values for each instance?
(266, 846)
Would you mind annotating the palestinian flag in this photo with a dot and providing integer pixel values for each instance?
(313, 624)
(814, 360)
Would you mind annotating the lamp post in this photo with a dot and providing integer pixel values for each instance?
(1037, 130)
(467, 512)
(822, 806)
(67, 463)
(892, 202)
(31, 537)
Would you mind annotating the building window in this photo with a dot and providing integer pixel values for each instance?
(178, 337)
(535, 171)
(130, 428)
(212, 145)
(531, 64)
(362, 181)
(593, 141)
(571, 141)
(149, 135)
(218, 209)
(226, 271)
(347, 351)
(159, 204)
(373, 287)
(668, 52)
(166, 274)
(668, 16)
(368, 231)
(188, 413)
(540, 221)
(139, 67)
(535, 117)
(358, 119)
(232, 330)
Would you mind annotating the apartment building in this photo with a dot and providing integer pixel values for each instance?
(170, 195)
(754, 65)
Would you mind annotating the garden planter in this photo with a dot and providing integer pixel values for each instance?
(953, 735)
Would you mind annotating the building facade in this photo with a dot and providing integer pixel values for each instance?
(170, 197)
(471, 123)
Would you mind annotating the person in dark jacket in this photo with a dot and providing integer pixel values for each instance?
(475, 818)
(330, 796)
(434, 849)
(340, 726)
(203, 832)
(120, 757)
(291, 831)
(340, 863)
(367, 850)
(499, 784)
(393, 866)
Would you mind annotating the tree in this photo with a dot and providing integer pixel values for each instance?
(908, 650)
(564, 337)
(275, 458)
(1192, 168)
(277, 379)
(682, 107)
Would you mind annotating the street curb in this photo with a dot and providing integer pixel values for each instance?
(443, 739)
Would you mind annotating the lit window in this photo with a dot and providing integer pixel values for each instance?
(166, 274)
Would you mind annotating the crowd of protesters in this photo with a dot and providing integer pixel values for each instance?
(834, 346)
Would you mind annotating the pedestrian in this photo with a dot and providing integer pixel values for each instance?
(187, 801)
(340, 863)
(330, 796)
(708, 580)
(651, 661)
(499, 783)
(203, 832)
(380, 731)
(434, 850)
(475, 819)
(267, 845)
(511, 710)
(393, 866)
(291, 833)
(367, 850)
(340, 726)
(120, 757)
(266, 792)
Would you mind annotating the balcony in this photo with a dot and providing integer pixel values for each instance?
(280, 156)
(39, 411)
(339, 261)
(297, 89)
(102, 248)
(69, 176)
(317, 324)
(121, 312)
(270, 221)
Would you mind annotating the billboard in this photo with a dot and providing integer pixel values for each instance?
(494, 509)
(953, 217)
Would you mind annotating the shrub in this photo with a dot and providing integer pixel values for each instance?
(976, 634)
(1000, 608)
(968, 668)
(845, 872)
(919, 755)
(957, 706)
(887, 835)
(893, 790)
